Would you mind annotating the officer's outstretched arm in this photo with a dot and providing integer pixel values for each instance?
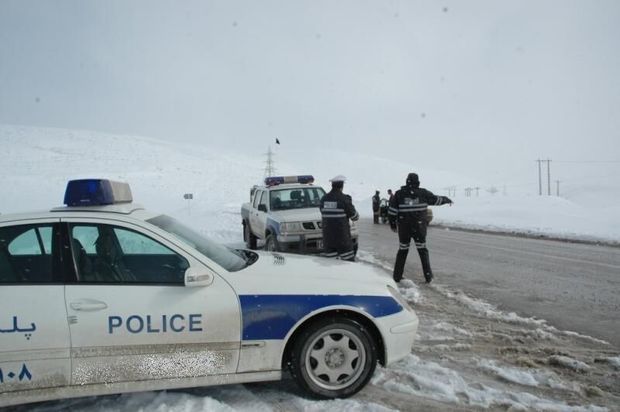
(433, 200)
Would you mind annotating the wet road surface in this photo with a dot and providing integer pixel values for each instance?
(575, 287)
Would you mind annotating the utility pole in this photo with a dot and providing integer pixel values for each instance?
(548, 177)
(539, 178)
(270, 169)
(557, 188)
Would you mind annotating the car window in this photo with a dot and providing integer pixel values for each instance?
(26, 244)
(263, 198)
(296, 198)
(257, 197)
(112, 254)
(26, 254)
(133, 243)
(220, 254)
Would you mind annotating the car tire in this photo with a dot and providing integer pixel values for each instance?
(333, 358)
(271, 244)
(248, 237)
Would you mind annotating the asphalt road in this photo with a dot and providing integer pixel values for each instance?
(575, 287)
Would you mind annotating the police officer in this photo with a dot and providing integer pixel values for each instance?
(407, 213)
(336, 210)
(376, 200)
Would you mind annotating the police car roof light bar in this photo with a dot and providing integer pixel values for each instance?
(96, 192)
(278, 180)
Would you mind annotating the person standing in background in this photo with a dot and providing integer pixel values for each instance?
(376, 200)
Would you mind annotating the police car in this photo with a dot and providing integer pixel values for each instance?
(102, 297)
(285, 214)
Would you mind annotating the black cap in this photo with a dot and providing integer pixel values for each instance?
(412, 179)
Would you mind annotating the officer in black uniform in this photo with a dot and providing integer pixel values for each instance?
(336, 210)
(407, 213)
(376, 200)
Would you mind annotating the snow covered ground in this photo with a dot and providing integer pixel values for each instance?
(160, 173)
(468, 353)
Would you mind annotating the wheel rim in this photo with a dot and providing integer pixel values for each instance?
(271, 246)
(335, 359)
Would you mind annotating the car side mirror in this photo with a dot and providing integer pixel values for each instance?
(262, 208)
(198, 277)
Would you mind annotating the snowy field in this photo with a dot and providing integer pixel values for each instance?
(160, 173)
(468, 355)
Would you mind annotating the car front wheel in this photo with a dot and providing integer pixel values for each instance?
(333, 358)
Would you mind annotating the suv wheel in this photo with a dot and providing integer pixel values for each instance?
(271, 244)
(333, 358)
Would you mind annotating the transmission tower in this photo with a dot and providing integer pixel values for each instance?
(270, 169)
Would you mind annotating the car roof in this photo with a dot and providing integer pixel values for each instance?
(288, 186)
(126, 210)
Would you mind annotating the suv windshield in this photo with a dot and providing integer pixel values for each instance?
(227, 258)
(295, 198)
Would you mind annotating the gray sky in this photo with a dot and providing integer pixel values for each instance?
(478, 86)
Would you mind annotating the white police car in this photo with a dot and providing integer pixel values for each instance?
(104, 297)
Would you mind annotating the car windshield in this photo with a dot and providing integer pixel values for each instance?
(230, 259)
(296, 198)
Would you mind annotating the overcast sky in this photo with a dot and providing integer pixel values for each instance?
(462, 85)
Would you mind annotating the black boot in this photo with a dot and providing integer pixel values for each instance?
(428, 277)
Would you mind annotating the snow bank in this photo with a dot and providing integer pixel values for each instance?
(416, 376)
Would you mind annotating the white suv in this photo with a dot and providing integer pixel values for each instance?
(285, 214)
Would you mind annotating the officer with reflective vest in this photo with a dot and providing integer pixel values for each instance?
(336, 210)
(407, 214)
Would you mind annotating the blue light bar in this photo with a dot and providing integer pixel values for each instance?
(96, 192)
(278, 180)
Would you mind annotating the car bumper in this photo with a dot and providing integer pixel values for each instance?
(398, 332)
(303, 243)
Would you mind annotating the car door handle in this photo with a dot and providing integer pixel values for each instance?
(88, 305)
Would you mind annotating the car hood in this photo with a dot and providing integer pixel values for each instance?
(294, 215)
(284, 273)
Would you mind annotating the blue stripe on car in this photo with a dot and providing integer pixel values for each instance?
(273, 225)
(272, 316)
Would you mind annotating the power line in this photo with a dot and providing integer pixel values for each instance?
(587, 161)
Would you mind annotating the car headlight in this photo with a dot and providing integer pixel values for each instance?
(290, 227)
(399, 298)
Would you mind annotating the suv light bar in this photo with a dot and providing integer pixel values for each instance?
(278, 180)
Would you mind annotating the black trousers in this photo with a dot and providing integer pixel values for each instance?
(407, 231)
(342, 248)
(344, 253)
